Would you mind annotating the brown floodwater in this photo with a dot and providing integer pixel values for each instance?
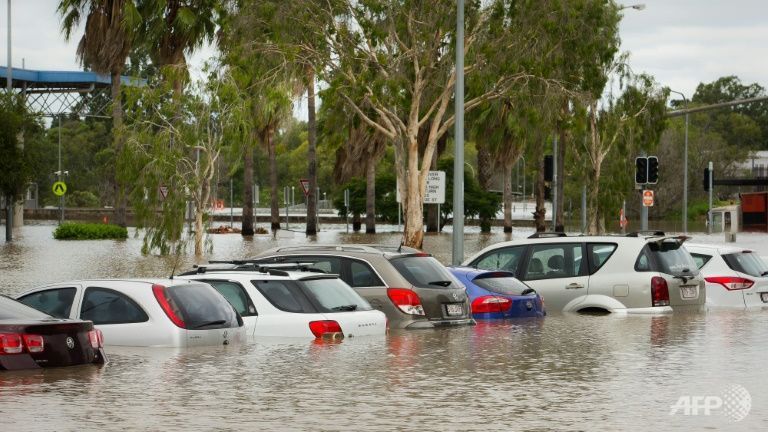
(563, 372)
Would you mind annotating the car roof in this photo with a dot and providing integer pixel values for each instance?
(161, 281)
(262, 271)
(378, 249)
(472, 272)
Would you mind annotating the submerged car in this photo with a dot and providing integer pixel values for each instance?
(30, 339)
(289, 301)
(644, 272)
(142, 312)
(498, 294)
(736, 277)
(411, 287)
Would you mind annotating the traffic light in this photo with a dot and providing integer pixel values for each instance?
(706, 179)
(548, 168)
(641, 170)
(653, 169)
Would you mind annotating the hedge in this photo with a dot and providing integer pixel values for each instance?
(89, 231)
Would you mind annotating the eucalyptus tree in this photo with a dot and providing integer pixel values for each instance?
(621, 125)
(111, 29)
(174, 143)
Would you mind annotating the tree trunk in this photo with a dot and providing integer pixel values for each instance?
(413, 235)
(370, 197)
(508, 196)
(356, 222)
(593, 194)
(561, 145)
(433, 218)
(273, 201)
(121, 199)
(311, 155)
(198, 232)
(247, 220)
(484, 175)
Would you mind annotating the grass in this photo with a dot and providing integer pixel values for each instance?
(89, 231)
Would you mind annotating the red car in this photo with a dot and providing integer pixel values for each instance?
(30, 339)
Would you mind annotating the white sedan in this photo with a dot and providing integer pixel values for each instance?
(162, 312)
(298, 304)
(736, 277)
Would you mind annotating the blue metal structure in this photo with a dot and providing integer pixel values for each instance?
(56, 92)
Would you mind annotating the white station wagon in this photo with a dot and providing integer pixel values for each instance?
(274, 301)
(637, 273)
(132, 312)
(736, 277)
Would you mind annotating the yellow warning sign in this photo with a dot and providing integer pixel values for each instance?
(59, 188)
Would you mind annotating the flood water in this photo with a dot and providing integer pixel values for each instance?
(563, 372)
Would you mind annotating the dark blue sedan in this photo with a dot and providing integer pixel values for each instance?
(498, 294)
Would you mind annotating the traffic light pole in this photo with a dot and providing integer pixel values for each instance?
(709, 213)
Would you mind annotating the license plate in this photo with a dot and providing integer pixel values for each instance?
(454, 309)
(764, 297)
(688, 292)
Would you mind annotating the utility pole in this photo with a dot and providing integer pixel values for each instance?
(554, 184)
(709, 213)
(458, 159)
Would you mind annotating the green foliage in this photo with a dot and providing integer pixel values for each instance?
(16, 165)
(478, 203)
(82, 199)
(386, 197)
(89, 231)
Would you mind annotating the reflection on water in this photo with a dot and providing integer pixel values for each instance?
(563, 372)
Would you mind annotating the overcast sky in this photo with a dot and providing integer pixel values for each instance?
(680, 42)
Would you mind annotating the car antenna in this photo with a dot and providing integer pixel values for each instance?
(175, 264)
(399, 248)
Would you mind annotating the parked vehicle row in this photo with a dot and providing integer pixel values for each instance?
(336, 291)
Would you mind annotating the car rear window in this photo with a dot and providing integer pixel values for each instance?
(11, 309)
(746, 262)
(333, 295)
(667, 257)
(285, 295)
(424, 272)
(505, 285)
(202, 307)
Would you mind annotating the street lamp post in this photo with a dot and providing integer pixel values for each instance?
(458, 159)
(685, 168)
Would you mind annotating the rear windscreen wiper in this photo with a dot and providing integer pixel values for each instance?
(765, 273)
(345, 308)
(441, 283)
(210, 323)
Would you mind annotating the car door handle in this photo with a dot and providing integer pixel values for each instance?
(574, 286)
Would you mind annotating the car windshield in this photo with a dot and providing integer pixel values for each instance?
(424, 272)
(673, 258)
(333, 295)
(11, 309)
(746, 262)
(202, 307)
(505, 285)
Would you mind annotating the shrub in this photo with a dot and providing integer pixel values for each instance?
(89, 231)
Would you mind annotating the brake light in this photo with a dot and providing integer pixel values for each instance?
(97, 338)
(659, 291)
(731, 283)
(14, 343)
(34, 343)
(327, 328)
(169, 307)
(10, 343)
(406, 300)
(490, 304)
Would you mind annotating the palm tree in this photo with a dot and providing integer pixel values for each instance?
(110, 32)
(175, 28)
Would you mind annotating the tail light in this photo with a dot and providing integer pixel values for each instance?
(731, 283)
(10, 343)
(34, 343)
(490, 304)
(407, 300)
(325, 329)
(14, 343)
(169, 307)
(659, 291)
(96, 338)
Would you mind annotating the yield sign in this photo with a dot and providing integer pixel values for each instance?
(164, 191)
(305, 186)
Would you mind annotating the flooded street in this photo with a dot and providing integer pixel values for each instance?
(563, 372)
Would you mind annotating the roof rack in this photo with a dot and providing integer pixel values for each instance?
(547, 234)
(350, 248)
(276, 269)
(647, 233)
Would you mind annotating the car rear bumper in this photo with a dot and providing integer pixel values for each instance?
(658, 310)
(25, 361)
(427, 324)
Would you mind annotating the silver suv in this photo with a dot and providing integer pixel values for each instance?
(411, 287)
(639, 273)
